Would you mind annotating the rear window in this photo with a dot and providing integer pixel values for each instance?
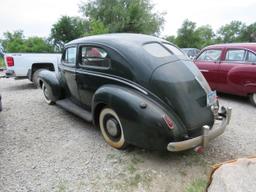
(156, 50)
(173, 49)
(235, 55)
(251, 57)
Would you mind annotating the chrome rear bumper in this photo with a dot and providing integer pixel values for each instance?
(224, 115)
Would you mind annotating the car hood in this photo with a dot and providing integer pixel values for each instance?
(183, 88)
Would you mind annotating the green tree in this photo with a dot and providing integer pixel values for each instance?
(13, 42)
(16, 42)
(37, 45)
(187, 35)
(67, 29)
(206, 36)
(171, 39)
(231, 32)
(96, 27)
(123, 15)
(249, 34)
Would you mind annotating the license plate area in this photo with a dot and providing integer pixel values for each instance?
(211, 98)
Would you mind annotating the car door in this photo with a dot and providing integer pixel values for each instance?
(93, 67)
(209, 62)
(237, 71)
(68, 70)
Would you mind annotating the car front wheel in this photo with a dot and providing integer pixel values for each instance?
(111, 128)
(35, 77)
(46, 95)
(253, 98)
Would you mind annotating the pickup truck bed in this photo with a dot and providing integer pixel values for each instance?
(27, 65)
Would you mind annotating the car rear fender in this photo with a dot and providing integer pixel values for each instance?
(52, 83)
(142, 120)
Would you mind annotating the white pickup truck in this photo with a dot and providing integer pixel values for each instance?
(28, 65)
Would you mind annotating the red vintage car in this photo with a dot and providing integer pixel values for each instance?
(230, 68)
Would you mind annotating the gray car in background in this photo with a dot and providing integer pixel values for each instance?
(191, 52)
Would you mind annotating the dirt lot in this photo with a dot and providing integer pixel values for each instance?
(44, 148)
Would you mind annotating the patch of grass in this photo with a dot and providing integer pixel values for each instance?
(198, 185)
(114, 157)
(136, 160)
(133, 181)
(131, 168)
(111, 156)
(183, 173)
(192, 158)
(62, 186)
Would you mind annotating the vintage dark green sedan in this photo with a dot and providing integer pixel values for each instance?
(140, 90)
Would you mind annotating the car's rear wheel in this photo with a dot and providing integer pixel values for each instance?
(111, 128)
(253, 98)
(46, 95)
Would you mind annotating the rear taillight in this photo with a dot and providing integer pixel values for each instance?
(168, 121)
(9, 61)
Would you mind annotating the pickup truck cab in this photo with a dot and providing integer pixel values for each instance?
(28, 65)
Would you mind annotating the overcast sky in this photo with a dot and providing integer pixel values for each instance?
(35, 17)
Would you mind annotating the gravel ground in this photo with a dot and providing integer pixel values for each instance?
(44, 148)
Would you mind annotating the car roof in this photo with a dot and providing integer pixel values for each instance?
(118, 38)
(130, 47)
(251, 46)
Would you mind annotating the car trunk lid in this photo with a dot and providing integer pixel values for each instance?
(183, 88)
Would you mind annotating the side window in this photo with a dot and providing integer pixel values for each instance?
(210, 55)
(251, 57)
(70, 56)
(90, 56)
(235, 55)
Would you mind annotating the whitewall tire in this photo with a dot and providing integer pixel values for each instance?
(46, 95)
(253, 98)
(111, 128)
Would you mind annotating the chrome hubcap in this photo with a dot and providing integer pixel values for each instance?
(112, 127)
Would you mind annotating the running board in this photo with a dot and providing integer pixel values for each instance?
(68, 105)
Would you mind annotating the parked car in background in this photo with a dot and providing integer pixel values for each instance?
(230, 68)
(191, 52)
(28, 65)
(138, 89)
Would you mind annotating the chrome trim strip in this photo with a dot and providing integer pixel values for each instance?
(204, 70)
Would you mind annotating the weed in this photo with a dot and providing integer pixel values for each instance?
(198, 185)
(62, 186)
